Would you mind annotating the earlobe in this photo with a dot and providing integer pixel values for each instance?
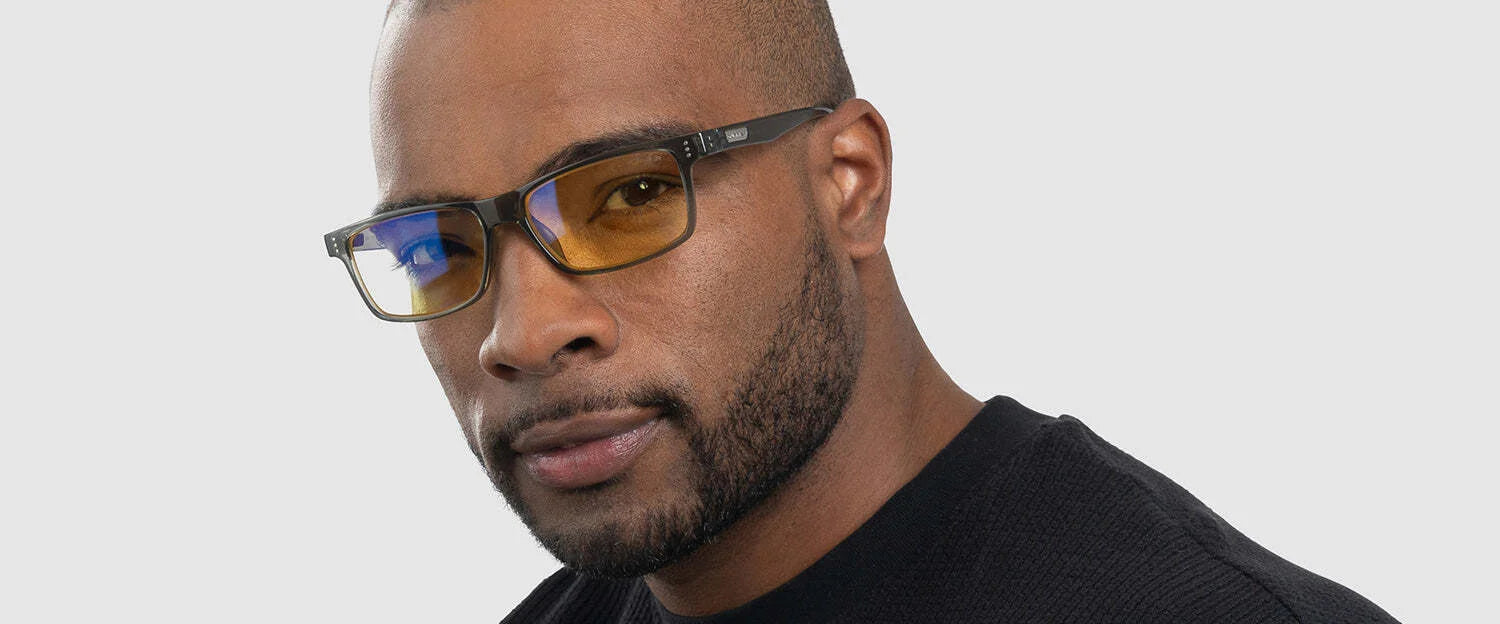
(857, 157)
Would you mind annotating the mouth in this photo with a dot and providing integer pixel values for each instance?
(587, 448)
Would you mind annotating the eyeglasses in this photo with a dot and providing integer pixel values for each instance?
(604, 213)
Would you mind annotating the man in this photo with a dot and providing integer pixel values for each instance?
(643, 245)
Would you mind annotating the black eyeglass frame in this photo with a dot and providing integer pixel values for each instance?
(509, 207)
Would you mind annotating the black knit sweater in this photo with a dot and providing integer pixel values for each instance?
(1021, 518)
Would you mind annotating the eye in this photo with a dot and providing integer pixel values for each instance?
(635, 195)
(642, 190)
(420, 254)
(433, 252)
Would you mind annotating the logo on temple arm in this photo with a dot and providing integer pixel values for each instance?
(737, 134)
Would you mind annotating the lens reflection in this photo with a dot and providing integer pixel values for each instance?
(422, 263)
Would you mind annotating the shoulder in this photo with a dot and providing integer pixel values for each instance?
(573, 598)
(1204, 569)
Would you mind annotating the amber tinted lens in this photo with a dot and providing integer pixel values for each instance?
(612, 212)
(421, 263)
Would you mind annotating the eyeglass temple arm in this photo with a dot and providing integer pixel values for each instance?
(756, 131)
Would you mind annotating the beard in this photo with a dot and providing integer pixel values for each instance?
(788, 404)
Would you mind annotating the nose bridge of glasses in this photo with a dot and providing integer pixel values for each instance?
(508, 209)
(500, 210)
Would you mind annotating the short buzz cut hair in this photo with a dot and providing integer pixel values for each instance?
(790, 47)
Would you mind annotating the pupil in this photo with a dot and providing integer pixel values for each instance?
(641, 191)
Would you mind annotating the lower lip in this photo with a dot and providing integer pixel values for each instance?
(591, 462)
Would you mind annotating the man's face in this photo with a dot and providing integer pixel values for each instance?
(716, 369)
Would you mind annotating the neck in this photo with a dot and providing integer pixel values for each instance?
(904, 409)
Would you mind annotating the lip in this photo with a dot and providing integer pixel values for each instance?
(587, 448)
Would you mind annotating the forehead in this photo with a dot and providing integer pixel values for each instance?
(468, 100)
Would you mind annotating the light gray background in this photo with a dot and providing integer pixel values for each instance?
(1252, 245)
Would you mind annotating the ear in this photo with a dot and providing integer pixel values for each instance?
(850, 165)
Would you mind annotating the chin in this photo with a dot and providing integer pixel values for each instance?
(622, 542)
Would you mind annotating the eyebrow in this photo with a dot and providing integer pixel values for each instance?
(574, 152)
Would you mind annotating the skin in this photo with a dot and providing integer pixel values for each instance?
(467, 101)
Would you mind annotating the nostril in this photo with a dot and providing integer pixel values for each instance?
(504, 371)
(568, 351)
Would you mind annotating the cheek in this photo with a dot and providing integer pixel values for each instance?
(710, 305)
(451, 344)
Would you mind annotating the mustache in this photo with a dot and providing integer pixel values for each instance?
(668, 399)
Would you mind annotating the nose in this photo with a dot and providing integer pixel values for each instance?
(543, 320)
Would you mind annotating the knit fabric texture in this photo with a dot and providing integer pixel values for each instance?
(1022, 517)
